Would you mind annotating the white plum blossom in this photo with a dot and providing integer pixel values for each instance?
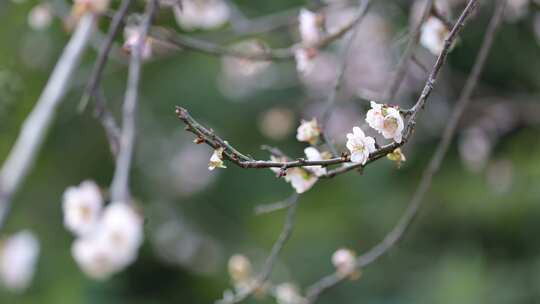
(82, 206)
(40, 17)
(300, 179)
(18, 258)
(345, 261)
(386, 120)
(113, 245)
(216, 160)
(308, 131)
(305, 59)
(433, 33)
(309, 24)
(360, 145)
(201, 14)
(313, 154)
(287, 293)
(132, 38)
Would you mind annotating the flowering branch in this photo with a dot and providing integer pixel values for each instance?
(434, 165)
(32, 135)
(120, 182)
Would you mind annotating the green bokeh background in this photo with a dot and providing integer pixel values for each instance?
(468, 245)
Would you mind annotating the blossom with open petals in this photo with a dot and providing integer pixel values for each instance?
(18, 257)
(313, 154)
(82, 207)
(216, 160)
(386, 120)
(360, 145)
(308, 131)
(433, 33)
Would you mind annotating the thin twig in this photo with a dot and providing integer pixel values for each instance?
(264, 275)
(267, 208)
(330, 101)
(33, 132)
(433, 167)
(103, 55)
(120, 182)
(108, 122)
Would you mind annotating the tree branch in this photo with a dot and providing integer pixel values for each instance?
(434, 165)
(34, 129)
(120, 182)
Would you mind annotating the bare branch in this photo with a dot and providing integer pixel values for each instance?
(186, 42)
(408, 54)
(120, 182)
(103, 55)
(33, 132)
(264, 275)
(434, 165)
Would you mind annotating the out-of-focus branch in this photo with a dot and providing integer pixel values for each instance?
(203, 46)
(267, 208)
(108, 122)
(408, 53)
(103, 55)
(34, 129)
(264, 275)
(120, 182)
(433, 167)
(341, 75)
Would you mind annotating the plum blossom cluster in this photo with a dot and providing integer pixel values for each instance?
(18, 258)
(107, 237)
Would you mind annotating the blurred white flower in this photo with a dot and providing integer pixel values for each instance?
(300, 179)
(474, 147)
(308, 131)
(276, 123)
(287, 293)
(132, 38)
(239, 268)
(113, 245)
(305, 59)
(433, 34)
(40, 17)
(18, 258)
(310, 24)
(345, 261)
(216, 160)
(360, 145)
(201, 14)
(313, 154)
(82, 206)
(386, 120)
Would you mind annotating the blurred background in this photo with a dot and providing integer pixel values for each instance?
(473, 242)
